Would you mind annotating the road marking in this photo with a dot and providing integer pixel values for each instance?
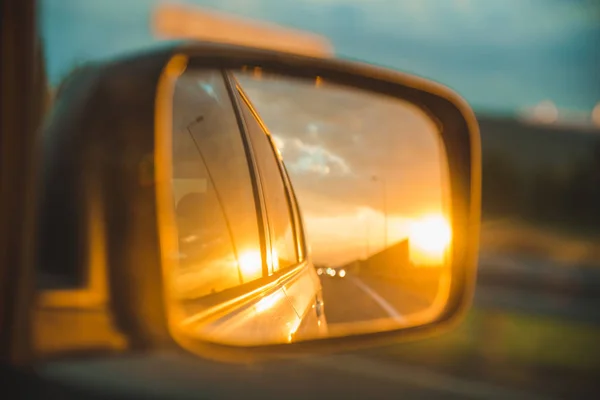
(419, 377)
(392, 312)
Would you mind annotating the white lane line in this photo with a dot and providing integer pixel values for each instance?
(392, 312)
(419, 377)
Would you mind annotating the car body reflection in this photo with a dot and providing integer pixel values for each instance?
(390, 201)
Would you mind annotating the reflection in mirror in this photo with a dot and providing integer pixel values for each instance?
(303, 209)
(209, 164)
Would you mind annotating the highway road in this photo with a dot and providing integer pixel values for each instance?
(555, 293)
(485, 356)
(358, 299)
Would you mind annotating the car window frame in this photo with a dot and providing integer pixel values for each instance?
(298, 219)
(222, 201)
(251, 116)
(250, 289)
(210, 300)
(293, 209)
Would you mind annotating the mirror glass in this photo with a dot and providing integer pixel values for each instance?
(301, 209)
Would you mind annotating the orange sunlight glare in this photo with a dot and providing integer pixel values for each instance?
(274, 261)
(429, 239)
(268, 302)
(250, 264)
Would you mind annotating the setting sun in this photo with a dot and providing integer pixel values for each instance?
(250, 264)
(430, 236)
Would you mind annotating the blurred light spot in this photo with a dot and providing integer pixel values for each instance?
(546, 112)
(294, 329)
(172, 21)
(430, 236)
(250, 263)
(208, 88)
(274, 259)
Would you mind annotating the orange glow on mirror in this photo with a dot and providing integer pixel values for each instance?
(274, 259)
(269, 302)
(250, 264)
(430, 236)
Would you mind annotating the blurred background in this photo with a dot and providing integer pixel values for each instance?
(530, 69)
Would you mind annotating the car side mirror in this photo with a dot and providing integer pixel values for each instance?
(321, 204)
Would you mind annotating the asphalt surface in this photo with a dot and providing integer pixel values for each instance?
(357, 299)
(499, 287)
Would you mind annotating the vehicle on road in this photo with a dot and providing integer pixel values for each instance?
(339, 272)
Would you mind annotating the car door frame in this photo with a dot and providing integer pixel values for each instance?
(293, 208)
(303, 269)
(236, 299)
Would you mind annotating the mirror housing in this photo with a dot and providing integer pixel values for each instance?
(101, 222)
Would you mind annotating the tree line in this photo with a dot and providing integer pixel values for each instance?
(561, 196)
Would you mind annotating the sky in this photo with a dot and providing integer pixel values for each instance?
(501, 55)
(353, 157)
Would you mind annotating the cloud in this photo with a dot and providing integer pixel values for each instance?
(334, 140)
(306, 158)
